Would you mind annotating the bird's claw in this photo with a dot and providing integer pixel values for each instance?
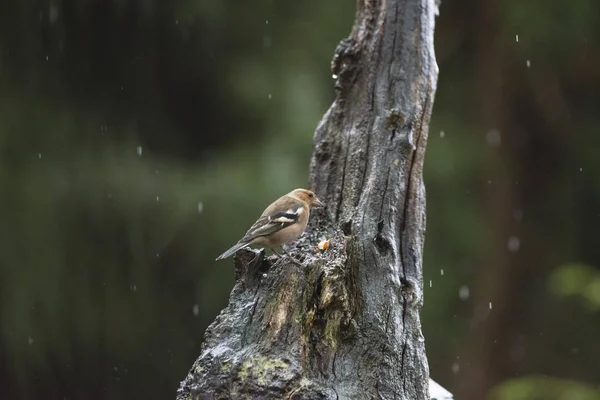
(298, 263)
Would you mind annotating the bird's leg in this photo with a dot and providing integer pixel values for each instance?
(292, 258)
(256, 252)
(275, 252)
(279, 256)
(256, 255)
(287, 254)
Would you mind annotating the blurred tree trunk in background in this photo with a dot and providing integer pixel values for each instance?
(523, 114)
(492, 288)
(347, 324)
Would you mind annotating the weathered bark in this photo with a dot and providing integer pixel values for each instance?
(346, 325)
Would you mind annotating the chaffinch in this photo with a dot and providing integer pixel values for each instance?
(282, 222)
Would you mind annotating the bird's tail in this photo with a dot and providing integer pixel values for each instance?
(238, 246)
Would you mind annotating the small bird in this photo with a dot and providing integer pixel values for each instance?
(282, 222)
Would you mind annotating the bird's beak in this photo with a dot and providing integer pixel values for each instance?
(317, 203)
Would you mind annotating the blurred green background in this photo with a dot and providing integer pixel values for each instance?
(140, 138)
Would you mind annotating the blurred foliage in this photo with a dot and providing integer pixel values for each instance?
(543, 388)
(577, 279)
(139, 139)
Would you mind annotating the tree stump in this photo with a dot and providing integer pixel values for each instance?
(345, 325)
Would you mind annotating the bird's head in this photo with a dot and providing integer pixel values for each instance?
(307, 197)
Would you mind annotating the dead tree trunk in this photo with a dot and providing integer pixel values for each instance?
(346, 325)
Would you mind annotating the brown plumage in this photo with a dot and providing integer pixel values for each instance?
(283, 221)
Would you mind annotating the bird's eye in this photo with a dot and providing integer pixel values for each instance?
(311, 195)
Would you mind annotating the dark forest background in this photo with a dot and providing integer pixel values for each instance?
(140, 138)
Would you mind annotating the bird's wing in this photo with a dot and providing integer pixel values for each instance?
(274, 221)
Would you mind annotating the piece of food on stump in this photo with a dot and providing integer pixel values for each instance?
(323, 245)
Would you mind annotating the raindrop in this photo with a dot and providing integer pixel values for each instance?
(492, 137)
(157, 255)
(176, 22)
(580, 169)
(196, 310)
(430, 283)
(46, 58)
(200, 207)
(116, 369)
(157, 198)
(513, 244)
(442, 134)
(334, 76)
(456, 367)
(134, 288)
(517, 38)
(267, 22)
(40, 156)
(528, 64)
(53, 14)
(490, 305)
(270, 96)
(441, 272)
(139, 151)
(30, 340)
(463, 292)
